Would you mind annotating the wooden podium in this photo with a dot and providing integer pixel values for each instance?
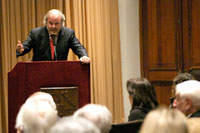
(67, 81)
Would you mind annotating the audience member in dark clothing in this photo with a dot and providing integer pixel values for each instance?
(142, 96)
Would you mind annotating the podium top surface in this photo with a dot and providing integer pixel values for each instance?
(44, 63)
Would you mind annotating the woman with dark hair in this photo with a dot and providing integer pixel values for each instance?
(142, 96)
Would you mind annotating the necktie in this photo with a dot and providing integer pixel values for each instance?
(52, 48)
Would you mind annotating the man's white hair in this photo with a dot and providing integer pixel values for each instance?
(98, 114)
(45, 19)
(190, 89)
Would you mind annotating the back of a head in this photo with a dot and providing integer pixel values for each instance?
(39, 111)
(74, 125)
(195, 73)
(190, 89)
(142, 92)
(98, 114)
(164, 120)
(37, 117)
(193, 125)
(42, 96)
(181, 77)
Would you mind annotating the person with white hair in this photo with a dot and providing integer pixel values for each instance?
(187, 98)
(98, 114)
(37, 114)
(74, 125)
(42, 96)
(52, 41)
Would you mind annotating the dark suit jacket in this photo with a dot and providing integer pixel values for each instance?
(196, 114)
(38, 39)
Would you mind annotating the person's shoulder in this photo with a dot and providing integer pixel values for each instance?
(140, 110)
(38, 29)
(67, 30)
(137, 113)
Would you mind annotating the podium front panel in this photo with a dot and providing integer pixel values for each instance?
(29, 77)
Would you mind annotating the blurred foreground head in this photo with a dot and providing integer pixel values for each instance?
(74, 125)
(98, 114)
(37, 114)
(164, 120)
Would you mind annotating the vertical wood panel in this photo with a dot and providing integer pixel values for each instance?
(195, 33)
(161, 44)
(191, 27)
(163, 33)
(186, 39)
(163, 91)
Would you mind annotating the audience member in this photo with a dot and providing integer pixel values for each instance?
(181, 77)
(37, 114)
(193, 125)
(188, 98)
(142, 96)
(98, 114)
(164, 120)
(74, 125)
(42, 96)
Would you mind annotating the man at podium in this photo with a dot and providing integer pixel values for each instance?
(52, 41)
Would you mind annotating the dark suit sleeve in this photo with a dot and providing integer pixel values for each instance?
(77, 47)
(28, 44)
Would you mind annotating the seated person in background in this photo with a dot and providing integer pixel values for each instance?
(74, 125)
(164, 120)
(181, 77)
(188, 98)
(142, 96)
(193, 125)
(98, 114)
(37, 114)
